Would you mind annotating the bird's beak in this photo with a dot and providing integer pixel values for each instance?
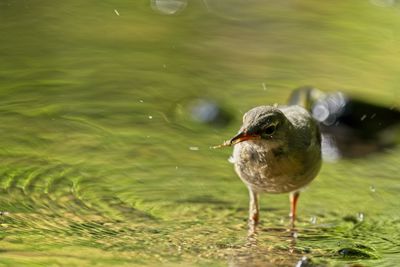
(242, 136)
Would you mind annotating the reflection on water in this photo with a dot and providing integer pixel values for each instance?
(108, 110)
(257, 253)
(168, 7)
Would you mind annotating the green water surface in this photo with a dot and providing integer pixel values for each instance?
(101, 163)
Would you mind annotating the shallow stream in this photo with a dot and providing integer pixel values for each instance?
(103, 160)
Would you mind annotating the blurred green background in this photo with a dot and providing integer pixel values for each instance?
(102, 162)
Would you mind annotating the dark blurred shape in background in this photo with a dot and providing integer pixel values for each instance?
(209, 111)
(202, 111)
(350, 127)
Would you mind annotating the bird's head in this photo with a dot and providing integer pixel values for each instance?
(262, 123)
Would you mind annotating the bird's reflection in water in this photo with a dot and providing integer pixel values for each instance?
(269, 247)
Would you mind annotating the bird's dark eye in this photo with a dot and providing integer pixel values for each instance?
(270, 129)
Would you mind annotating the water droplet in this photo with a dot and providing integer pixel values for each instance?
(141, 101)
(373, 115)
(116, 12)
(194, 148)
(176, 167)
(363, 117)
(372, 189)
(264, 87)
(313, 219)
(150, 117)
(360, 216)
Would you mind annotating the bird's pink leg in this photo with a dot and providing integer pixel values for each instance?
(294, 196)
(254, 213)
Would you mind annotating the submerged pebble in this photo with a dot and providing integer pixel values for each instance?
(304, 262)
(355, 253)
(350, 218)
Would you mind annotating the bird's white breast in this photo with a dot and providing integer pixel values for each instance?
(271, 168)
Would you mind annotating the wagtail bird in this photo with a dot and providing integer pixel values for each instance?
(277, 150)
